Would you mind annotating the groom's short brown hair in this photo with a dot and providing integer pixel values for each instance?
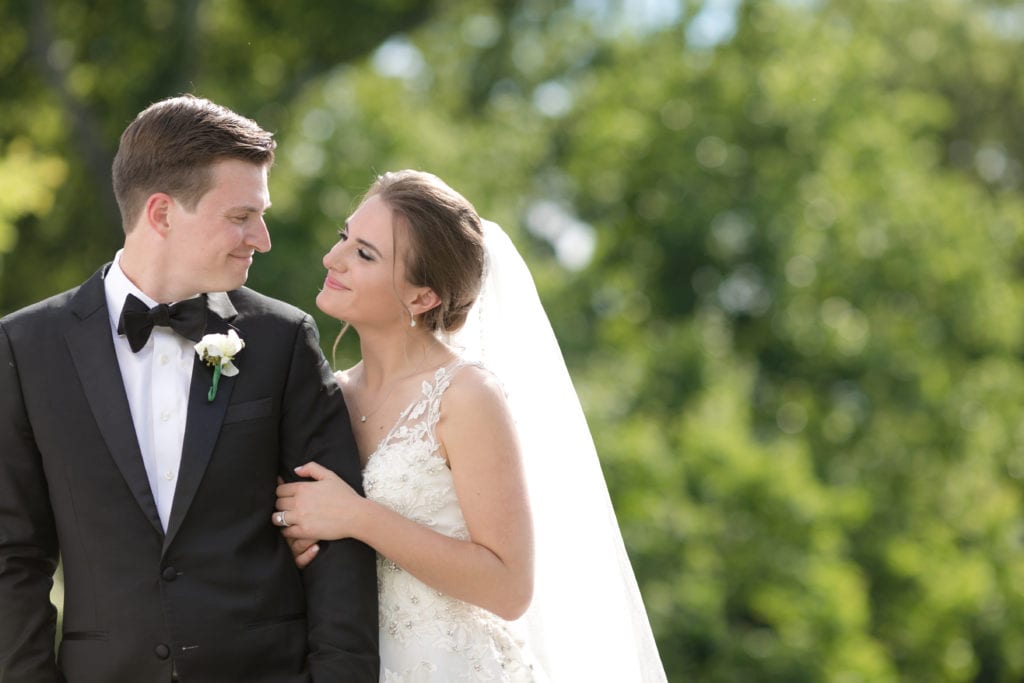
(171, 146)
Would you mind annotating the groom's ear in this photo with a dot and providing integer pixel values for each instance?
(424, 300)
(156, 212)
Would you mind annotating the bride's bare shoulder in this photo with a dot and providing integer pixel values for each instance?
(473, 386)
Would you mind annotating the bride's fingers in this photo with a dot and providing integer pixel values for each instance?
(304, 558)
(300, 545)
(314, 470)
(280, 519)
(285, 490)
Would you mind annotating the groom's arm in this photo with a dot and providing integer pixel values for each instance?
(28, 541)
(341, 585)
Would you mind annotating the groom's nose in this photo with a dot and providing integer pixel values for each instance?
(258, 236)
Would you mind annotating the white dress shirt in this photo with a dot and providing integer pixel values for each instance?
(156, 380)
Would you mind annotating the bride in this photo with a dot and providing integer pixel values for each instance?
(499, 557)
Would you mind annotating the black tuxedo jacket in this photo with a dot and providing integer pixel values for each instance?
(217, 596)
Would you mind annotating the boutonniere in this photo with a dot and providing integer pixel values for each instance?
(218, 350)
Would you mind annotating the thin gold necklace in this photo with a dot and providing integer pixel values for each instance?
(363, 416)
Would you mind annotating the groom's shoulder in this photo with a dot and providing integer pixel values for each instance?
(49, 306)
(53, 309)
(253, 304)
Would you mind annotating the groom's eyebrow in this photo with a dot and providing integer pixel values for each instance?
(249, 209)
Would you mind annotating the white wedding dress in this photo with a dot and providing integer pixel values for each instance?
(426, 635)
(587, 620)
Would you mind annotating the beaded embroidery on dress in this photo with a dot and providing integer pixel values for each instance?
(426, 635)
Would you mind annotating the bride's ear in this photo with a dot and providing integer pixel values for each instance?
(425, 300)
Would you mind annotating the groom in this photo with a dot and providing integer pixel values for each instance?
(151, 475)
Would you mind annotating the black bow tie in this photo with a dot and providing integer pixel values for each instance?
(187, 318)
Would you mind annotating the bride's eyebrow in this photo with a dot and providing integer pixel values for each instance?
(369, 245)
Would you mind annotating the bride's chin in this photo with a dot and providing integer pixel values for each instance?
(324, 304)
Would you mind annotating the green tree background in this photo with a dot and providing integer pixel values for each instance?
(779, 240)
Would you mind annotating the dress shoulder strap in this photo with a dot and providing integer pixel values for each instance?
(419, 420)
(442, 380)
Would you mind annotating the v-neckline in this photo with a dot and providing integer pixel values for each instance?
(439, 374)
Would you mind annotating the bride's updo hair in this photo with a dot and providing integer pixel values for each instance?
(446, 244)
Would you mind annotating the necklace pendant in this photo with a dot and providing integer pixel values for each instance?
(362, 418)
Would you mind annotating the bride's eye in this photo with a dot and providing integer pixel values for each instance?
(343, 235)
(365, 255)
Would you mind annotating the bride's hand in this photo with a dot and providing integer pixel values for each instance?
(303, 550)
(322, 509)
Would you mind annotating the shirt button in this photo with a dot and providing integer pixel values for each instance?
(165, 416)
(163, 359)
(168, 475)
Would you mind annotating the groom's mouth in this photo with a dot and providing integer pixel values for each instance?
(243, 257)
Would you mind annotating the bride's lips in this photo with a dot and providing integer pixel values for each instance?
(331, 283)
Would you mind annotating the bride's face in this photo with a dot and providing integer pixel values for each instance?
(365, 282)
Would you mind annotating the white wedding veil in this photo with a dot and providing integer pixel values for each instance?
(587, 620)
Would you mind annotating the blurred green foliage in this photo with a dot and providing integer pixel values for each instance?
(780, 242)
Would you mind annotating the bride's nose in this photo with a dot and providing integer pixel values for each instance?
(333, 259)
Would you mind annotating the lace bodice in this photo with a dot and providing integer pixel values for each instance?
(407, 473)
(426, 635)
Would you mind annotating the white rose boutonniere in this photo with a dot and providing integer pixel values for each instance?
(218, 350)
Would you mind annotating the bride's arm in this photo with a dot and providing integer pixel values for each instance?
(495, 568)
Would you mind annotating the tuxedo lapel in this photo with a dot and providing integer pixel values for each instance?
(92, 351)
(202, 428)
